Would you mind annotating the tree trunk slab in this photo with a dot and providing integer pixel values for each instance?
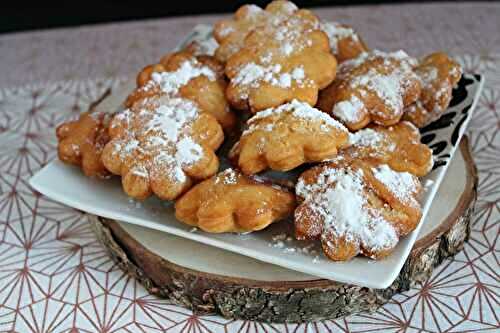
(213, 281)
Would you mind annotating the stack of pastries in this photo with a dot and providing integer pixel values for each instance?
(287, 92)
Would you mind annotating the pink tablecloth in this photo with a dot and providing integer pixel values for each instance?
(55, 277)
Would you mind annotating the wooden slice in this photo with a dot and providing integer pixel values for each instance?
(209, 280)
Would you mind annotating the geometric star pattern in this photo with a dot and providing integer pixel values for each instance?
(56, 277)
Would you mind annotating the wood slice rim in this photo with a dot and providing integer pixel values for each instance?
(289, 301)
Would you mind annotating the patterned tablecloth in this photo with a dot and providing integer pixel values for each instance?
(54, 275)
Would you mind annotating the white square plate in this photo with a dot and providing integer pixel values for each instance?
(68, 185)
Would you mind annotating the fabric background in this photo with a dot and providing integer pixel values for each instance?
(54, 275)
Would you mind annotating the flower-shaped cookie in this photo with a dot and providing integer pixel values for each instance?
(231, 33)
(232, 202)
(285, 137)
(197, 78)
(279, 63)
(356, 208)
(397, 146)
(374, 87)
(160, 145)
(81, 142)
(439, 74)
(345, 43)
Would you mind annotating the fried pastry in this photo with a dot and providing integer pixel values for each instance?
(160, 145)
(279, 63)
(80, 142)
(439, 74)
(374, 87)
(232, 202)
(231, 34)
(345, 43)
(203, 47)
(285, 137)
(356, 208)
(182, 74)
(397, 146)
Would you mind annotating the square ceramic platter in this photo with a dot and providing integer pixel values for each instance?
(275, 244)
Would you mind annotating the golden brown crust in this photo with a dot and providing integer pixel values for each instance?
(232, 202)
(439, 74)
(202, 47)
(285, 137)
(345, 43)
(374, 87)
(161, 145)
(206, 89)
(279, 63)
(142, 78)
(349, 48)
(398, 146)
(231, 33)
(80, 142)
(356, 208)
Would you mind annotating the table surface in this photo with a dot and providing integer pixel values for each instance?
(54, 275)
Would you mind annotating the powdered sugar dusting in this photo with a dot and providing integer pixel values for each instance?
(252, 75)
(226, 31)
(349, 110)
(287, 243)
(289, 7)
(435, 88)
(428, 76)
(287, 48)
(170, 118)
(205, 46)
(252, 10)
(298, 109)
(369, 143)
(164, 160)
(140, 171)
(252, 17)
(227, 177)
(402, 185)
(366, 137)
(169, 121)
(298, 73)
(388, 87)
(188, 151)
(161, 128)
(338, 199)
(279, 35)
(337, 32)
(291, 34)
(130, 146)
(170, 82)
(387, 81)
